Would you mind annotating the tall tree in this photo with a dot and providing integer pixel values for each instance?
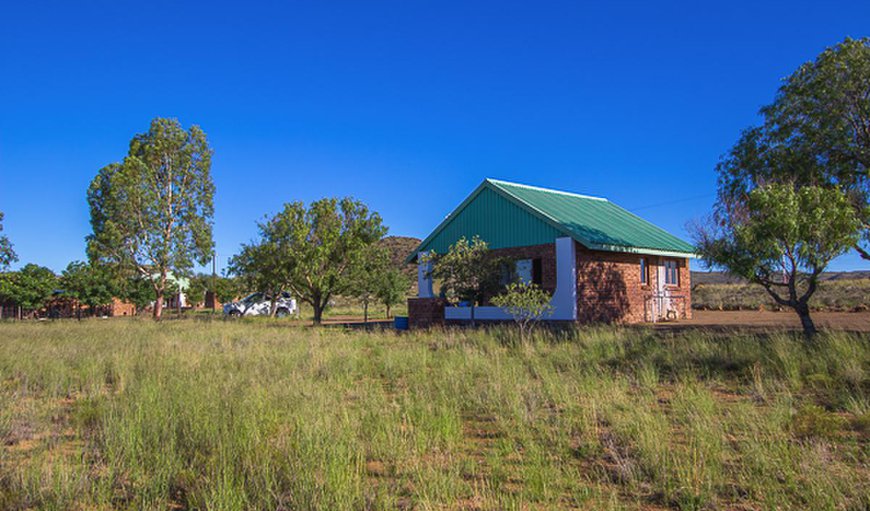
(468, 272)
(152, 213)
(7, 254)
(782, 237)
(90, 285)
(815, 133)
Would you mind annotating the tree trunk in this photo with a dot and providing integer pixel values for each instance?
(472, 314)
(366, 312)
(803, 312)
(318, 311)
(273, 306)
(158, 305)
(388, 311)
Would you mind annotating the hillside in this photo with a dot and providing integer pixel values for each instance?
(718, 277)
(400, 247)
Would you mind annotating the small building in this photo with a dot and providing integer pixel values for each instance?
(600, 262)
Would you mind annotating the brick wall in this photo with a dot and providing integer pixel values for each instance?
(609, 287)
(546, 253)
(425, 312)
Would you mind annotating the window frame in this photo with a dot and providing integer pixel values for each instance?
(672, 273)
(644, 271)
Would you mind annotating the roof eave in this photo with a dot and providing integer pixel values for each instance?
(644, 251)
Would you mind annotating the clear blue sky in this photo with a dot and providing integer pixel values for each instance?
(404, 105)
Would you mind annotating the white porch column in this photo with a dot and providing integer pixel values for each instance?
(424, 276)
(564, 299)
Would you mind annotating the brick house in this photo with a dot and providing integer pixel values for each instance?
(600, 262)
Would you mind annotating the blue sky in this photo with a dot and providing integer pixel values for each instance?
(404, 105)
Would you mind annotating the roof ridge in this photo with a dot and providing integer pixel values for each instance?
(548, 190)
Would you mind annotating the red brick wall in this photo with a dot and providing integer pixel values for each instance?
(425, 312)
(609, 287)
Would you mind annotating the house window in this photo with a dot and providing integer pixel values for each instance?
(672, 273)
(644, 271)
(537, 279)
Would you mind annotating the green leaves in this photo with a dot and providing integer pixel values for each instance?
(310, 251)
(91, 285)
(7, 254)
(526, 303)
(29, 288)
(152, 213)
(467, 271)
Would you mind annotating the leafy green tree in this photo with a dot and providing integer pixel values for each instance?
(152, 213)
(7, 254)
(393, 288)
(318, 246)
(137, 290)
(29, 288)
(782, 237)
(815, 133)
(467, 272)
(526, 303)
(367, 274)
(90, 285)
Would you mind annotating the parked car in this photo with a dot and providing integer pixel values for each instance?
(258, 304)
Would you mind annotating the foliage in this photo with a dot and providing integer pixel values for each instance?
(7, 254)
(526, 303)
(266, 265)
(314, 248)
(29, 288)
(137, 290)
(782, 238)
(815, 133)
(366, 277)
(393, 289)
(467, 272)
(152, 213)
(244, 415)
(91, 285)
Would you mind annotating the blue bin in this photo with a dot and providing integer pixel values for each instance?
(400, 322)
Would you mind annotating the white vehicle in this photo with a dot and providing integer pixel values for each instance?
(258, 304)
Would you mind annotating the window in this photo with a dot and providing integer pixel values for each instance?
(672, 273)
(644, 271)
(536, 272)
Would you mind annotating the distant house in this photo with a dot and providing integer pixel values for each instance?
(600, 262)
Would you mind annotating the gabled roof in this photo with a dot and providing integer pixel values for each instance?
(520, 215)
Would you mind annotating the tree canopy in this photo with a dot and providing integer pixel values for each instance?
(29, 288)
(7, 254)
(311, 251)
(815, 133)
(152, 213)
(782, 237)
(90, 284)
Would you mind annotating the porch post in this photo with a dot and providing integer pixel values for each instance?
(564, 299)
(424, 277)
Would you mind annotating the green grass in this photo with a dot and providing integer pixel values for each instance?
(835, 295)
(129, 414)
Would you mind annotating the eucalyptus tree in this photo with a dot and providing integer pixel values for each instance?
(152, 213)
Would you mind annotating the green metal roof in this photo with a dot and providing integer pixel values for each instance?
(513, 215)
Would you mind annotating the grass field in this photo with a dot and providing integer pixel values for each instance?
(833, 295)
(257, 415)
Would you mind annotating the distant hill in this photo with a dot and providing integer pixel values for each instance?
(400, 247)
(718, 277)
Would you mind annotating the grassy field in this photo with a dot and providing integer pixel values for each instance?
(834, 295)
(128, 414)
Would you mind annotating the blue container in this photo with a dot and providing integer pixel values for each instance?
(400, 322)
